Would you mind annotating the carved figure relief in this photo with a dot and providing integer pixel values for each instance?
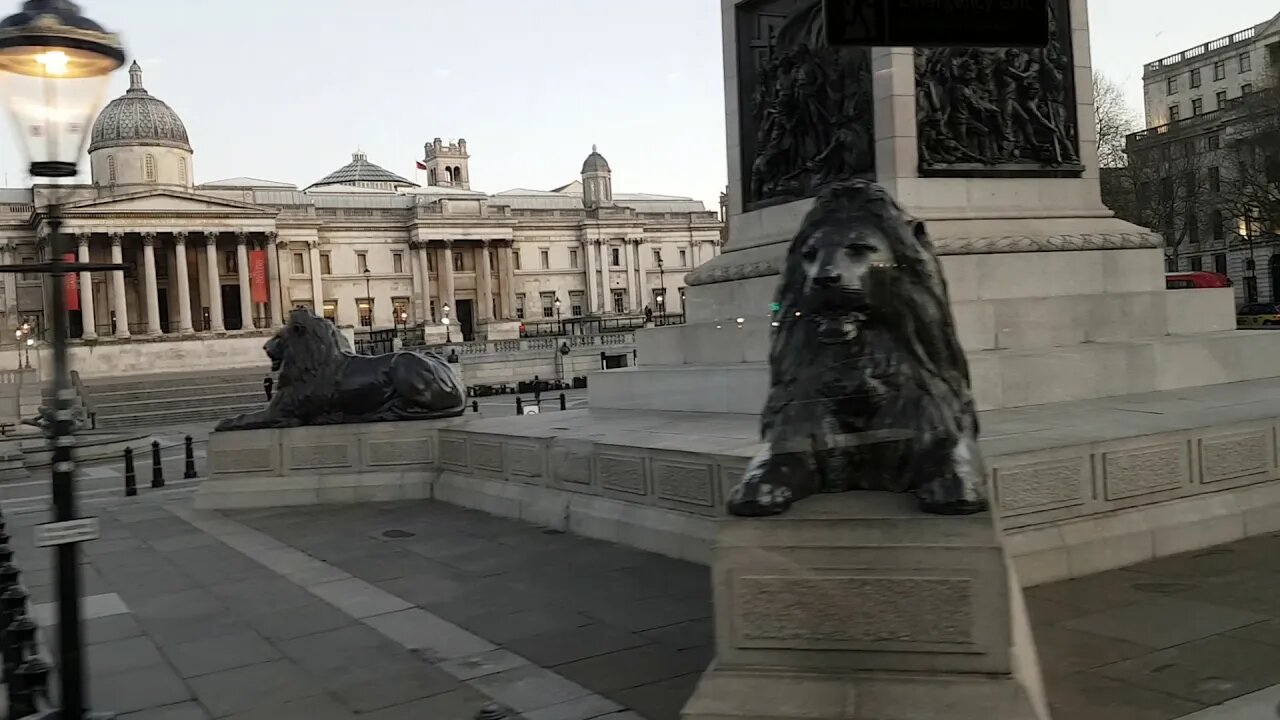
(869, 386)
(983, 111)
(804, 106)
(323, 383)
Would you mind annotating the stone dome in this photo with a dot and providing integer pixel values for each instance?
(362, 173)
(595, 163)
(138, 118)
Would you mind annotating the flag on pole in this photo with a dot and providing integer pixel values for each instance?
(71, 285)
(421, 165)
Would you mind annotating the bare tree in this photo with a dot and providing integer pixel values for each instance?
(1249, 190)
(1165, 186)
(1115, 120)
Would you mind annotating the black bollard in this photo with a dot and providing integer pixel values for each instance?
(130, 477)
(8, 575)
(519, 405)
(563, 404)
(32, 681)
(6, 556)
(19, 641)
(475, 406)
(157, 470)
(189, 472)
(491, 712)
(13, 603)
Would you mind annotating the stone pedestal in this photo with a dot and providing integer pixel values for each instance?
(498, 330)
(858, 607)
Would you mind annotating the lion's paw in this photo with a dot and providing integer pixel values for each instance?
(755, 499)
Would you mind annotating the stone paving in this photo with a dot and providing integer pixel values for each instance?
(423, 610)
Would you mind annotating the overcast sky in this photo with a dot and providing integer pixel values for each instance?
(287, 89)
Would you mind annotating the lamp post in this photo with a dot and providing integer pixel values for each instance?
(662, 286)
(368, 295)
(448, 337)
(56, 64)
(559, 322)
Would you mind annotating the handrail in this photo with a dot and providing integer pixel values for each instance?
(89, 409)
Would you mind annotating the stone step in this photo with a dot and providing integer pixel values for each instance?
(101, 398)
(234, 399)
(174, 417)
(173, 380)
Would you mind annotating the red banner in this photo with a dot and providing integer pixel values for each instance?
(258, 275)
(71, 284)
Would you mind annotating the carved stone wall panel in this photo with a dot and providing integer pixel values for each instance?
(571, 465)
(317, 457)
(525, 461)
(1042, 486)
(1142, 471)
(852, 611)
(685, 483)
(381, 453)
(453, 452)
(804, 108)
(241, 460)
(1000, 112)
(1234, 456)
(622, 473)
(487, 455)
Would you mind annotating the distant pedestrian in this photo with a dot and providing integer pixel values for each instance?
(267, 385)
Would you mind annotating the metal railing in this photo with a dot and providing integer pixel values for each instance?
(1195, 52)
(90, 409)
(538, 344)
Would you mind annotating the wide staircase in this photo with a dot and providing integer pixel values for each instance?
(175, 398)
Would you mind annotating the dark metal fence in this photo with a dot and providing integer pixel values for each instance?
(375, 342)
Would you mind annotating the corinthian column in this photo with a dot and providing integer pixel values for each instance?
(507, 289)
(484, 282)
(180, 270)
(152, 286)
(317, 287)
(275, 302)
(444, 270)
(117, 287)
(215, 282)
(424, 273)
(89, 319)
(242, 268)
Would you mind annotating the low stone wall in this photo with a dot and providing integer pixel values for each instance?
(164, 354)
(511, 361)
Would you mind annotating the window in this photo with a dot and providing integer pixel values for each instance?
(1221, 95)
(1220, 70)
(1193, 226)
(362, 262)
(575, 303)
(111, 169)
(364, 309)
(548, 304)
(544, 256)
(432, 310)
(229, 264)
(619, 301)
(431, 265)
(1195, 77)
(182, 168)
(1220, 263)
(1251, 288)
(659, 298)
(325, 267)
(1246, 88)
(515, 259)
(573, 259)
(1215, 223)
(1215, 180)
(684, 258)
(458, 262)
(1246, 62)
(520, 306)
(1172, 86)
(397, 262)
(331, 310)
(657, 256)
(1196, 265)
(149, 167)
(1197, 106)
(615, 257)
(299, 265)
(400, 306)
(29, 277)
(1174, 114)
(1213, 142)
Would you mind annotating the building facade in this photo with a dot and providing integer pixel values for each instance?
(1199, 105)
(362, 246)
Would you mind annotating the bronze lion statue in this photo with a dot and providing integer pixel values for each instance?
(869, 385)
(323, 383)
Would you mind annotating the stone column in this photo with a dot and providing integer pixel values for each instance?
(117, 287)
(275, 303)
(10, 281)
(89, 318)
(424, 273)
(242, 269)
(507, 273)
(484, 283)
(628, 263)
(317, 285)
(444, 273)
(606, 297)
(214, 282)
(180, 271)
(593, 304)
(152, 286)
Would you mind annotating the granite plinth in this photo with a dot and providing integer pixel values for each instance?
(813, 608)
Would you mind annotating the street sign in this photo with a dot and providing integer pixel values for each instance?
(937, 23)
(531, 410)
(67, 531)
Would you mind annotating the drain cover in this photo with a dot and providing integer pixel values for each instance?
(397, 534)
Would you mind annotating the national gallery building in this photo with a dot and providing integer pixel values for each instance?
(362, 246)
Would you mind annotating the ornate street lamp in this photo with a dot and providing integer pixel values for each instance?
(368, 295)
(54, 67)
(448, 337)
(662, 285)
(558, 320)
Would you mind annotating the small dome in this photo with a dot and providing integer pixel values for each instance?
(138, 118)
(595, 163)
(362, 173)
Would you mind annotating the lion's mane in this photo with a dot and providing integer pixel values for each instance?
(310, 366)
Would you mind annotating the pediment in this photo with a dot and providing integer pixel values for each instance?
(168, 201)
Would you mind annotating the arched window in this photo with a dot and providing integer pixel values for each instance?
(111, 169)
(457, 174)
(448, 172)
(149, 168)
(182, 169)
(431, 177)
